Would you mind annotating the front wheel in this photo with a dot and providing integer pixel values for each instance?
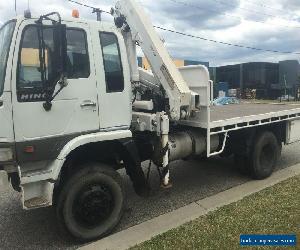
(91, 203)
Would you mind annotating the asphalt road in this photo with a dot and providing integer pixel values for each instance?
(192, 180)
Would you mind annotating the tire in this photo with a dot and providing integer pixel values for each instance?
(264, 155)
(91, 203)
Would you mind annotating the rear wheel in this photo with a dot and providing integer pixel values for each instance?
(264, 155)
(91, 203)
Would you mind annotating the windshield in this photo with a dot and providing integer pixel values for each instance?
(6, 33)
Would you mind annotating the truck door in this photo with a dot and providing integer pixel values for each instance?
(74, 110)
(113, 78)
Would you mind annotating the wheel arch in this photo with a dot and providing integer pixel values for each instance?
(93, 138)
(241, 141)
(80, 142)
(111, 144)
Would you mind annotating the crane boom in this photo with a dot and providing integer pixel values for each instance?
(133, 20)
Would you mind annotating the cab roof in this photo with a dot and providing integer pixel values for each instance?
(93, 23)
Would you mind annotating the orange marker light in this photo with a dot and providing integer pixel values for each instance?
(75, 13)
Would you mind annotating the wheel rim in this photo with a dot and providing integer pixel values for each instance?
(93, 205)
(267, 157)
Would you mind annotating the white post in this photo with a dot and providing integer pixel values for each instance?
(164, 127)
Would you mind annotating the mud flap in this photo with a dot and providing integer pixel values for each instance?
(132, 161)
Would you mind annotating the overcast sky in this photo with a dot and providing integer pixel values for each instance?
(272, 24)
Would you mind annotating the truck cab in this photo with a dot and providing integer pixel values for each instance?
(97, 77)
(93, 105)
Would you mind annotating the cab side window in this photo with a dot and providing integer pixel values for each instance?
(29, 75)
(29, 82)
(112, 62)
(78, 57)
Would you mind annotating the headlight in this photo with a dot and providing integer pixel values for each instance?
(6, 154)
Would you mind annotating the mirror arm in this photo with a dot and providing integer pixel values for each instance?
(42, 53)
(63, 83)
(47, 17)
(47, 105)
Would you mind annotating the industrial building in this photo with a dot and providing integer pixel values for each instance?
(289, 72)
(270, 80)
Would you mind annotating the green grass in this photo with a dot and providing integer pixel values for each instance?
(275, 210)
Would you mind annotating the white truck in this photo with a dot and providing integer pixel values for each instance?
(75, 108)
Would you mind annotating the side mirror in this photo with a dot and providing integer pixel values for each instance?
(58, 63)
(59, 60)
(56, 59)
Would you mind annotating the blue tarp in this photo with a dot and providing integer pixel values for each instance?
(225, 101)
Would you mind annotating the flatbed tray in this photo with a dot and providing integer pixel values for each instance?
(227, 115)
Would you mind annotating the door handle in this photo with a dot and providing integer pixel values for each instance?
(1, 103)
(88, 104)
